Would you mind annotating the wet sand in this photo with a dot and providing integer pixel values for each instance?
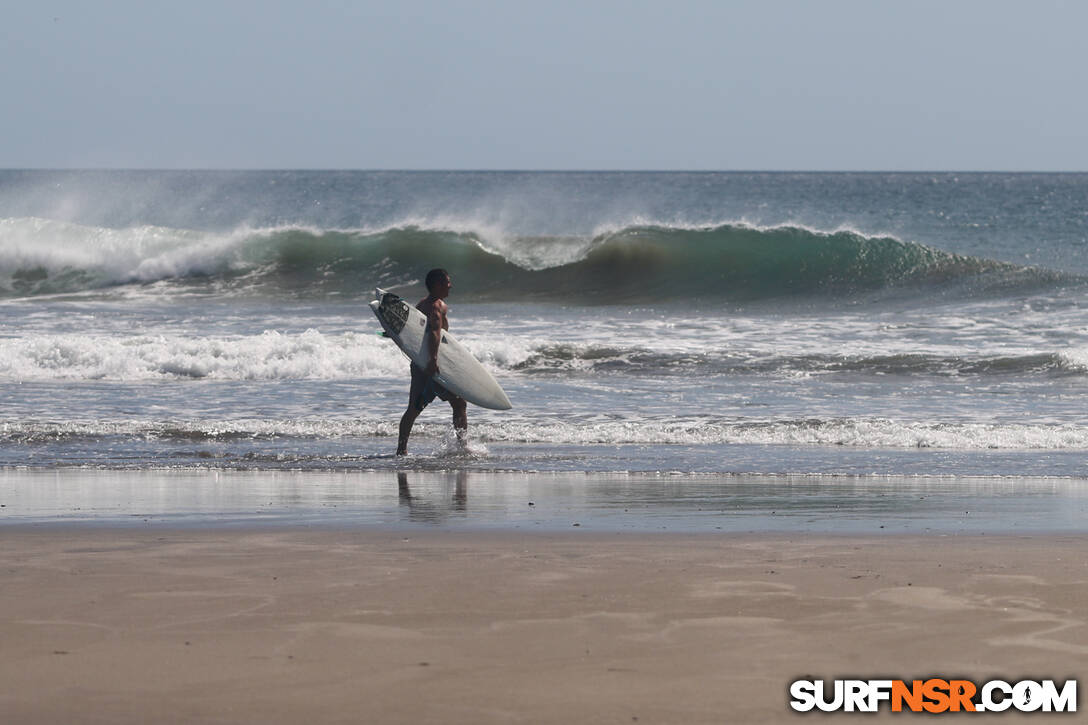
(100, 624)
(617, 502)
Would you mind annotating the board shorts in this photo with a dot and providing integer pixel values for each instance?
(425, 390)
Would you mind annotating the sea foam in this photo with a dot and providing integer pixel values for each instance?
(859, 433)
(269, 356)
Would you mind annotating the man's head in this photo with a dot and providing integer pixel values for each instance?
(438, 283)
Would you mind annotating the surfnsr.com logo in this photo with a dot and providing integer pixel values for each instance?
(933, 696)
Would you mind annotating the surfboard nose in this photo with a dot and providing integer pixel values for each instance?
(495, 399)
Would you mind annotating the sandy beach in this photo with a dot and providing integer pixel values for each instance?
(125, 625)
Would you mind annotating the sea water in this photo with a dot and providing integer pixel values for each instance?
(702, 323)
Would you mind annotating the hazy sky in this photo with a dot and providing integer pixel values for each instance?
(823, 84)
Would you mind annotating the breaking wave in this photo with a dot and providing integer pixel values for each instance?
(314, 355)
(640, 262)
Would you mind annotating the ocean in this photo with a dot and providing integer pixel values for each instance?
(775, 324)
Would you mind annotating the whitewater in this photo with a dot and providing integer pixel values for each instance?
(829, 324)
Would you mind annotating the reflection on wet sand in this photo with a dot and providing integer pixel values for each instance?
(425, 508)
(545, 501)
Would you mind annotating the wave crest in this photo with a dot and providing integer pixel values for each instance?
(643, 262)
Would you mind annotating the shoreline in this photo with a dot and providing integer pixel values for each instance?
(161, 624)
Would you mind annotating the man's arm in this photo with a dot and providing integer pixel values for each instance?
(436, 322)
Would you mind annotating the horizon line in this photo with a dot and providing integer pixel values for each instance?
(496, 170)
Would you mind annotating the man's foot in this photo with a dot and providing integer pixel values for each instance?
(461, 439)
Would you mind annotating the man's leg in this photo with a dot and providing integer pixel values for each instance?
(460, 418)
(409, 418)
(406, 422)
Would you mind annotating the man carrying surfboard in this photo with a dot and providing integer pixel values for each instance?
(424, 387)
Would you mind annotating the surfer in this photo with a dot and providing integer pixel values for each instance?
(424, 387)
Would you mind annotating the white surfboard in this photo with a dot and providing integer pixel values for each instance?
(458, 371)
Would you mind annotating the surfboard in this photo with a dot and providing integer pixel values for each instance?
(458, 371)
